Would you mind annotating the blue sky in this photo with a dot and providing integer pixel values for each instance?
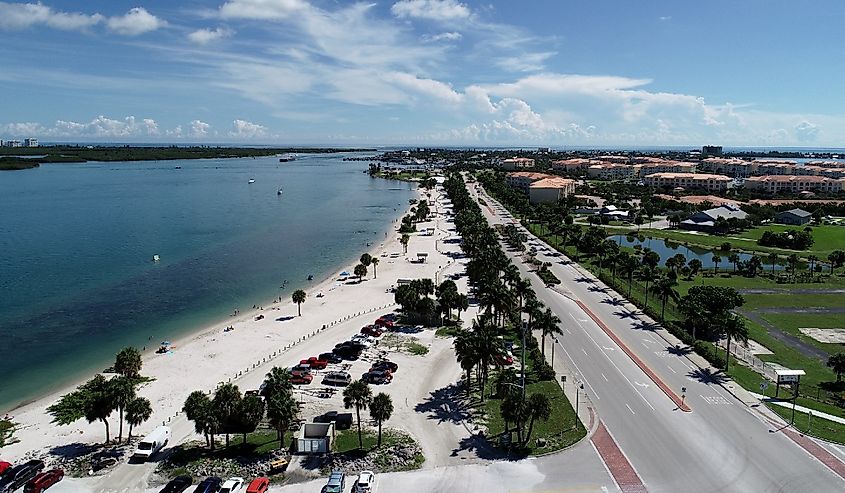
(424, 72)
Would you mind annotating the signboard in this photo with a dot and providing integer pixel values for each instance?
(788, 378)
(563, 379)
(764, 386)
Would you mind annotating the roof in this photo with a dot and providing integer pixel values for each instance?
(790, 178)
(797, 212)
(518, 160)
(725, 211)
(553, 182)
(533, 175)
(700, 199)
(692, 176)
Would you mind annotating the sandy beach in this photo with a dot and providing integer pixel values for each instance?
(281, 338)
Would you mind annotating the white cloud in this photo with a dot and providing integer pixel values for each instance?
(243, 129)
(262, 9)
(150, 127)
(449, 36)
(427, 87)
(206, 35)
(199, 128)
(438, 10)
(135, 22)
(665, 18)
(14, 16)
(100, 127)
(527, 62)
(806, 131)
(21, 129)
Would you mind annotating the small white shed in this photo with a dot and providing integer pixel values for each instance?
(315, 438)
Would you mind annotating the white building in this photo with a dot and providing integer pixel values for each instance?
(515, 163)
(30, 142)
(704, 181)
(795, 184)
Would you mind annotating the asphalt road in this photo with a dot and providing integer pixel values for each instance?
(722, 445)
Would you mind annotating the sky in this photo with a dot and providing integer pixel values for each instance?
(425, 72)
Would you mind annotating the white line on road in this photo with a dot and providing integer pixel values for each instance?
(605, 378)
(575, 365)
(629, 408)
(673, 370)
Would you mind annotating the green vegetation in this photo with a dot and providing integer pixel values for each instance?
(16, 163)
(813, 426)
(448, 331)
(7, 428)
(78, 154)
(346, 443)
(417, 348)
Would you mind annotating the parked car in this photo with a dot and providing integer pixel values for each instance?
(364, 341)
(177, 485)
(348, 352)
(19, 475)
(315, 363)
(378, 377)
(232, 485)
(384, 322)
(364, 483)
(385, 365)
(337, 378)
(503, 359)
(4, 466)
(44, 480)
(336, 484)
(342, 421)
(210, 484)
(301, 377)
(152, 443)
(371, 330)
(301, 367)
(330, 357)
(258, 485)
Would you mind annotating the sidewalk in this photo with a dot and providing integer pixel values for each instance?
(805, 410)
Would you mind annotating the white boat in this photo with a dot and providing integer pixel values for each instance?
(287, 158)
(252, 180)
(279, 192)
(156, 258)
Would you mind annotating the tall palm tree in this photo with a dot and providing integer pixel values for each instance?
(128, 362)
(812, 259)
(404, 239)
(277, 381)
(226, 401)
(374, 263)
(793, 260)
(137, 411)
(198, 408)
(380, 410)
(538, 407)
(298, 297)
(461, 303)
(629, 265)
(522, 288)
(664, 288)
(735, 328)
(282, 410)
(734, 259)
(647, 274)
(358, 395)
(549, 326)
(488, 344)
(716, 259)
(773, 259)
(124, 392)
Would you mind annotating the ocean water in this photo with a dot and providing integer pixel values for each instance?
(77, 280)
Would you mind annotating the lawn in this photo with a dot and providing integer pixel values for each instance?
(193, 455)
(814, 426)
(792, 322)
(6, 429)
(753, 301)
(346, 442)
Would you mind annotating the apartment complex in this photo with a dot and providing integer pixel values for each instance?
(541, 187)
(795, 184)
(704, 181)
(516, 163)
(767, 167)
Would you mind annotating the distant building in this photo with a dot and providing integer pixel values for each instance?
(516, 163)
(570, 165)
(521, 180)
(794, 184)
(12, 143)
(612, 171)
(711, 151)
(550, 189)
(706, 220)
(30, 142)
(704, 181)
(794, 217)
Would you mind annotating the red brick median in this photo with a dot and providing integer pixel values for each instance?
(648, 371)
(817, 451)
(621, 470)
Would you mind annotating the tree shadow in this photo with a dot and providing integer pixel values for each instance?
(613, 301)
(597, 289)
(73, 450)
(583, 279)
(643, 325)
(482, 448)
(285, 319)
(679, 350)
(625, 314)
(707, 377)
(446, 404)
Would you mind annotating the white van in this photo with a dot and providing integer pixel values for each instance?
(152, 443)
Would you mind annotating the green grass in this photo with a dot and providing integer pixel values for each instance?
(753, 301)
(560, 431)
(346, 442)
(257, 445)
(6, 430)
(792, 322)
(814, 426)
(416, 348)
(448, 331)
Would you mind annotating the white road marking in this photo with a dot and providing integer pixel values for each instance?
(643, 385)
(629, 408)
(673, 370)
(608, 348)
(585, 352)
(604, 377)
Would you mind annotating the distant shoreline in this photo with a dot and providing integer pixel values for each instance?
(19, 158)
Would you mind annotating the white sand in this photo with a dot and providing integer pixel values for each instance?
(210, 356)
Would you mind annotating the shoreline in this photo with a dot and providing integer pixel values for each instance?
(322, 283)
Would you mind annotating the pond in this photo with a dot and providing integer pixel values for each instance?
(668, 248)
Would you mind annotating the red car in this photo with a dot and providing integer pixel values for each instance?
(503, 359)
(258, 485)
(383, 322)
(371, 330)
(43, 481)
(315, 363)
(4, 466)
(301, 377)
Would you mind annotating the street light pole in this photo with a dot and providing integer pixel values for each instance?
(554, 343)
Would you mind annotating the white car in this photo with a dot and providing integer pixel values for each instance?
(364, 483)
(232, 485)
(363, 340)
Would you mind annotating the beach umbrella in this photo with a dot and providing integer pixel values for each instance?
(344, 273)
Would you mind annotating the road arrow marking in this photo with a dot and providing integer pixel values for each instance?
(644, 385)
(608, 348)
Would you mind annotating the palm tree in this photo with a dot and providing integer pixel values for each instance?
(539, 407)
(227, 400)
(734, 259)
(137, 411)
(358, 395)
(716, 259)
(792, 260)
(374, 263)
(277, 382)
(360, 271)
(735, 328)
(773, 259)
(249, 414)
(282, 410)
(298, 297)
(198, 408)
(461, 303)
(124, 392)
(836, 362)
(629, 265)
(549, 327)
(99, 401)
(404, 239)
(812, 259)
(664, 288)
(128, 362)
(695, 266)
(488, 344)
(380, 410)
(366, 259)
(505, 380)
(648, 274)
(514, 409)
(521, 288)
(467, 354)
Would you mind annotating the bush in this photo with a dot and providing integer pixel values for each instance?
(545, 371)
(709, 352)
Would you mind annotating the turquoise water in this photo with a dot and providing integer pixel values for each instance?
(77, 281)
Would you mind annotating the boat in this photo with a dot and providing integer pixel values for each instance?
(286, 158)
(156, 258)
(251, 181)
(279, 191)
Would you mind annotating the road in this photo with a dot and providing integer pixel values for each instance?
(722, 445)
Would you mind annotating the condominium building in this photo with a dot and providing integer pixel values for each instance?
(541, 187)
(795, 184)
(704, 181)
(664, 166)
(521, 180)
(612, 171)
(30, 142)
(516, 163)
(571, 165)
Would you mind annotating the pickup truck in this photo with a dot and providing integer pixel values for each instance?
(315, 363)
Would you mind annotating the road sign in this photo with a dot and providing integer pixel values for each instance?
(787, 378)
(563, 379)
(764, 386)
